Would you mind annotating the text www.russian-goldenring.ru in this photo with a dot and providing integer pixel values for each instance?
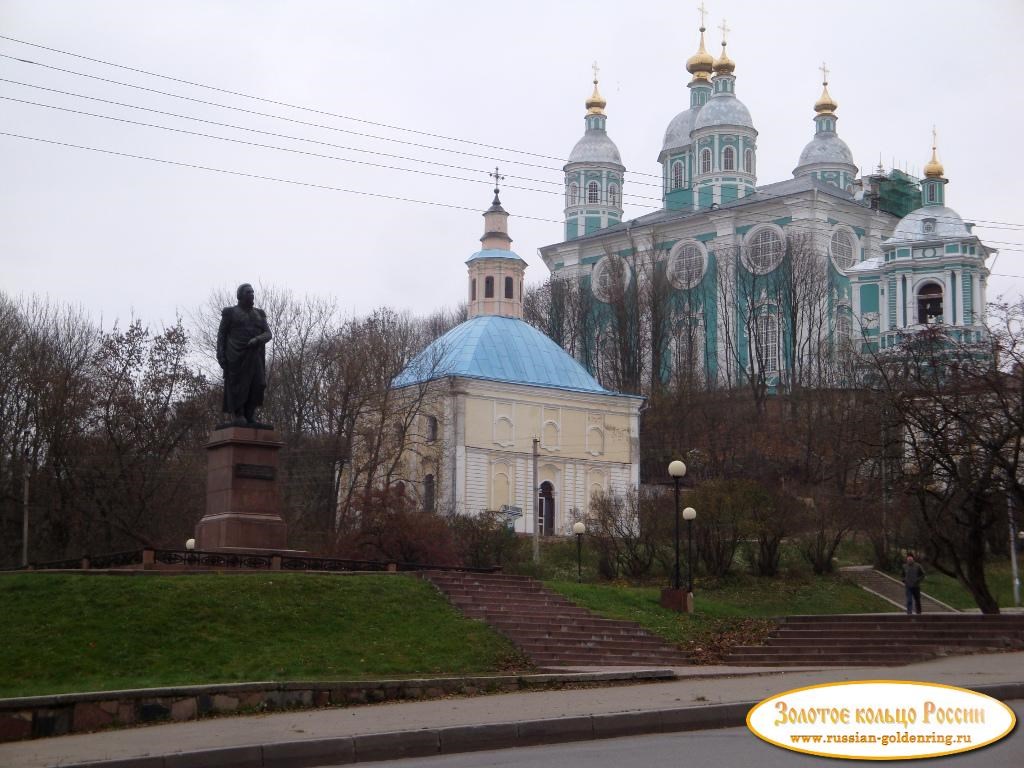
(904, 737)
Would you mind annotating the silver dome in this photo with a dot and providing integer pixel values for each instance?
(946, 223)
(723, 109)
(677, 135)
(826, 147)
(595, 147)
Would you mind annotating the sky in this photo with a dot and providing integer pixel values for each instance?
(454, 88)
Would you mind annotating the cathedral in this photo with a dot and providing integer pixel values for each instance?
(768, 279)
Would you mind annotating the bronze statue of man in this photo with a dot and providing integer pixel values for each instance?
(241, 352)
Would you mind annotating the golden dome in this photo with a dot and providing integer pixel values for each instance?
(701, 63)
(723, 64)
(825, 103)
(933, 168)
(596, 102)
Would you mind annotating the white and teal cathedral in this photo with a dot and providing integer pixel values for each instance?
(887, 256)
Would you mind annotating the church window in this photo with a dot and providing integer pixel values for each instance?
(431, 429)
(472, 289)
(929, 303)
(593, 192)
(574, 194)
(508, 287)
(729, 159)
(686, 264)
(844, 328)
(748, 161)
(931, 193)
(546, 505)
(841, 247)
(928, 226)
(677, 175)
(767, 344)
(428, 493)
(764, 250)
(488, 287)
(705, 161)
(609, 278)
(613, 195)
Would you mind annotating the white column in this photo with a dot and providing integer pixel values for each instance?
(960, 319)
(901, 300)
(949, 299)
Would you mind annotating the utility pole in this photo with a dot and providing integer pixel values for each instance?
(536, 505)
(24, 518)
(1013, 551)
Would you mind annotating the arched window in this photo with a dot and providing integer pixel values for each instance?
(705, 161)
(677, 175)
(428, 493)
(508, 287)
(764, 251)
(931, 193)
(748, 161)
(844, 328)
(729, 159)
(472, 289)
(488, 287)
(613, 195)
(593, 192)
(767, 344)
(929, 303)
(842, 249)
(546, 505)
(431, 429)
(574, 194)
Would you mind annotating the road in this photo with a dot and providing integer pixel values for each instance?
(728, 747)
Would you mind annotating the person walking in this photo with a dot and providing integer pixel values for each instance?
(913, 575)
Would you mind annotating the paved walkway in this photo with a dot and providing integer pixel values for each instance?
(696, 687)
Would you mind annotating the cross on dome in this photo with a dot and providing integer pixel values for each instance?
(725, 30)
(824, 73)
(703, 13)
(596, 70)
(497, 178)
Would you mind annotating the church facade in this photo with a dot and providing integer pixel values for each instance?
(768, 279)
(510, 422)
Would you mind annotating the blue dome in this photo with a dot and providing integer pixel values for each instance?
(499, 349)
(495, 253)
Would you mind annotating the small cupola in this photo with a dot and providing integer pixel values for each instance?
(495, 271)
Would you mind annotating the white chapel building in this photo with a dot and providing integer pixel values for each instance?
(501, 390)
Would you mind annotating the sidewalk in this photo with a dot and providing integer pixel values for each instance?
(385, 731)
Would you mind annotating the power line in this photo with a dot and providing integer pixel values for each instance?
(323, 126)
(317, 111)
(258, 176)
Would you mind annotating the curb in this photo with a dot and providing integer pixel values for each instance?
(469, 738)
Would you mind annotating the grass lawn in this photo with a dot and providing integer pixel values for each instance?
(65, 632)
(734, 611)
(950, 591)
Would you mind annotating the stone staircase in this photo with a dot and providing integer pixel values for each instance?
(551, 630)
(890, 589)
(880, 639)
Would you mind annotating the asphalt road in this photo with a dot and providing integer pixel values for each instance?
(728, 748)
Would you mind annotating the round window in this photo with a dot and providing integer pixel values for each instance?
(609, 278)
(686, 265)
(842, 249)
(764, 250)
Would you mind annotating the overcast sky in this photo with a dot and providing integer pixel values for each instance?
(119, 235)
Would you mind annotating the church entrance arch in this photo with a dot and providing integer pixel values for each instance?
(546, 506)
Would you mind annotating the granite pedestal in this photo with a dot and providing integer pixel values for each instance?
(243, 503)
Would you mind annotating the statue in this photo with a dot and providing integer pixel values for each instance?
(241, 352)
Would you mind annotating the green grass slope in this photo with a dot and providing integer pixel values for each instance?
(63, 633)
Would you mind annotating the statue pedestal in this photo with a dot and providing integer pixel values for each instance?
(242, 499)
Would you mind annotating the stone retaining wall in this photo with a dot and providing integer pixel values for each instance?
(37, 716)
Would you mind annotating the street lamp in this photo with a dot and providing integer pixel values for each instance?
(579, 529)
(676, 469)
(688, 515)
